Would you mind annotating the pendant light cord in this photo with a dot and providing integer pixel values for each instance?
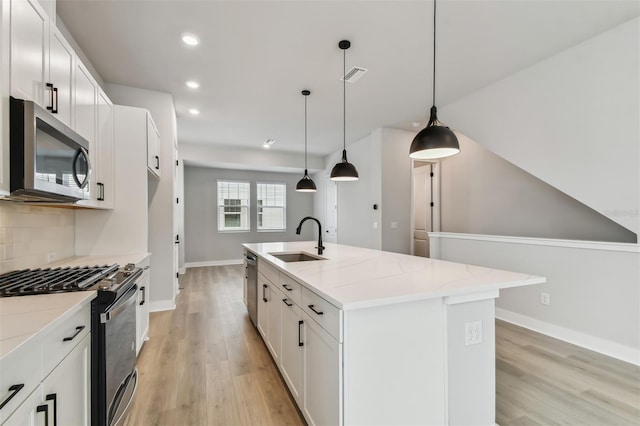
(434, 53)
(344, 99)
(305, 135)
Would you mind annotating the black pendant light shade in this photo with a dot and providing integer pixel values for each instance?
(434, 141)
(306, 184)
(344, 171)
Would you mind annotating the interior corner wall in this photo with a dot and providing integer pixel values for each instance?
(396, 189)
(483, 193)
(161, 191)
(356, 216)
(571, 120)
(203, 242)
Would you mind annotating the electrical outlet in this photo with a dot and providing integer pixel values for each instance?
(375, 225)
(473, 333)
(394, 225)
(51, 257)
(544, 299)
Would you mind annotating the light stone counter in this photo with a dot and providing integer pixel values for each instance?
(24, 317)
(121, 260)
(353, 277)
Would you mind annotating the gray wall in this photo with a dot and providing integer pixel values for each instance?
(484, 194)
(203, 242)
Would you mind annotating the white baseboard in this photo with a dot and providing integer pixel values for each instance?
(162, 305)
(214, 263)
(587, 341)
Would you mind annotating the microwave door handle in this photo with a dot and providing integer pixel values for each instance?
(79, 153)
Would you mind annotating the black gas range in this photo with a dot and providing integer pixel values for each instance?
(113, 327)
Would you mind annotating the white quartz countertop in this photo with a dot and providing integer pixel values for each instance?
(354, 277)
(24, 317)
(121, 259)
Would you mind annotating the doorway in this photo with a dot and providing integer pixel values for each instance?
(425, 205)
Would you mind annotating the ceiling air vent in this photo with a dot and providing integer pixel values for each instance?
(353, 74)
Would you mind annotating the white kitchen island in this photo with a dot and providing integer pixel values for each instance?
(370, 337)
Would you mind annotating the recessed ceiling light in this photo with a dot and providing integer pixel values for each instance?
(190, 39)
(268, 143)
(193, 111)
(415, 124)
(192, 84)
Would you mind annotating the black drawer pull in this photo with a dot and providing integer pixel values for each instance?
(264, 296)
(14, 389)
(286, 287)
(300, 342)
(144, 296)
(78, 330)
(286, 302)
(157, 162)
(316, 312)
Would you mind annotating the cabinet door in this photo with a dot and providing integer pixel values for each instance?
(292, 347)
(273, 328)
(104, 184)
(68, 388)
(61, 68)
(153, 147)
(322, 375)
(32, 411)
(263, 305)
(84, 110)
(142, 311)
(29, 48)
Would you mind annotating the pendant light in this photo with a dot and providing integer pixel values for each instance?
(435, 140)
(305, 184)
(344, 171)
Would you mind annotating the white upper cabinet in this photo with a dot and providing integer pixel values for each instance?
(153, 147)
(29, 51)
(84, 104)
(62, 61)
(104, 183)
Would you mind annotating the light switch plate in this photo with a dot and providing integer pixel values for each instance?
(473, 333)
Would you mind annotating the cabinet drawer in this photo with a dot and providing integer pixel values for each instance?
(20, 373)
(63, 337)
(268, 271)
(291, 289)
(324, 313)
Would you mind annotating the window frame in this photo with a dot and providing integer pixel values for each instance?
(284, 207)
(220, 206)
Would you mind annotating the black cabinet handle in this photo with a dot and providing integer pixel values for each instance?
(316, 312)
(50, 88)
(78, 330)
(101, 191)
(157, 162)
(264, 296)
(54, 110)
(45, 408)
(144, 296)
(286, 302)
(14, 389)
(300, 342)
(286, 287)
(53, 397)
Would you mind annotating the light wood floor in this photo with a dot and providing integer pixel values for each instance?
(206, 365)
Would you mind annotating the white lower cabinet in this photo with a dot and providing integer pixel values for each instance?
(273, 328)
(142, 310)
(291, 356)
(322, 375)
(31, 412)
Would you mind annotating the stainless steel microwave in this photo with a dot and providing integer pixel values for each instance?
(49, 162)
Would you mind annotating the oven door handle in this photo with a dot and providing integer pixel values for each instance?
(112, 313)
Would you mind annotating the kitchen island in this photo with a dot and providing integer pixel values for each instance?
(370, 337)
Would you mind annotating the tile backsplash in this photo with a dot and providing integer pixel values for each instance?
(32, 236)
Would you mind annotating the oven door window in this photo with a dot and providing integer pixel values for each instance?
(61, 164)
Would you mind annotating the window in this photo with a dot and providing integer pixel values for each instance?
(233, 206)
(272, 204)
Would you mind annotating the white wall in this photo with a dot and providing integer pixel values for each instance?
(205, 245)
(570, 120)
(593, 287)
(483, 193)
(161, 192)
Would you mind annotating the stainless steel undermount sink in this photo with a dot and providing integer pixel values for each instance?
(295, 257)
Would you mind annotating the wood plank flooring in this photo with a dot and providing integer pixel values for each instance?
(205, 364)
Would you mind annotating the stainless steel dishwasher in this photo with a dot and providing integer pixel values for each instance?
(252, 287)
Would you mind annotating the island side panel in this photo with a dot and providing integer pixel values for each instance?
(394, 364)
(471, 373)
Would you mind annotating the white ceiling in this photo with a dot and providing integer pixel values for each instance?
(256, 57)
